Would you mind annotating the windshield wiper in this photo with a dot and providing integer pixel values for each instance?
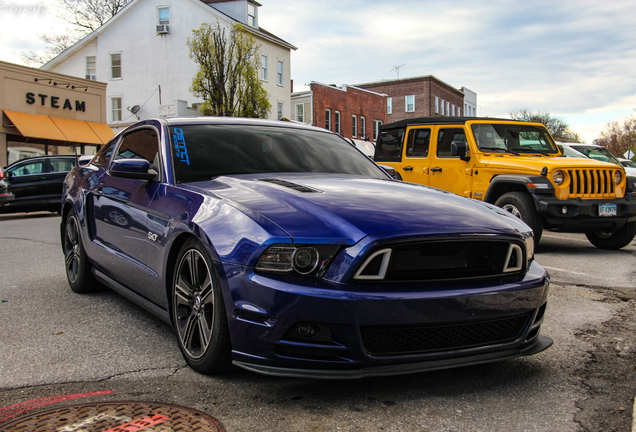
(500, 149)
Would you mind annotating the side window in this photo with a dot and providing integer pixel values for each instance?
(446, 137)
(389, 146)
(103, 156)
(62, 165)
(140, 144)
(418, 142)
(28, 169)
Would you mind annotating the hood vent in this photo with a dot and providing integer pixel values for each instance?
(290, 185)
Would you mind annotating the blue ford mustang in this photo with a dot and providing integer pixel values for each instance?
(282, 249)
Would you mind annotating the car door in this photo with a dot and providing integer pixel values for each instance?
(56, 170)
(26, 182)
(449, 172)
(415, 164)
(120, 211)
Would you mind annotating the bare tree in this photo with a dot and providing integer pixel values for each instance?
(84, 16)
(619, 138)
(557, 127)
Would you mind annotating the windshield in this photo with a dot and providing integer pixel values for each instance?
(629, 164)
(599, 154)
(202, 152)
(513, 138)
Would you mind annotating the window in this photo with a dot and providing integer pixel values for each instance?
(280, 73)
(164, 15)
(91, 64)
(459, 112)
(389, 105)
(389, 145)
(417, 143)
(354, 126)
(436, 105)
(251, 15)
(264, 68)
(115, 109)
(337, 122)
(363, 127)
(376, 128)
(115, 65)
(328, 119)
(447, 108)
(453, 110)
(410, 103)
(140, 144)
(300, 111)
(280, 110)
(447, 136)
(442, 111)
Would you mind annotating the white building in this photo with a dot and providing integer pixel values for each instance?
(141, 53)
(470, 102)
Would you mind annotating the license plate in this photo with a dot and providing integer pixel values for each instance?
(607, 210)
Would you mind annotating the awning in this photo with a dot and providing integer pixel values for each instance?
(59, 129)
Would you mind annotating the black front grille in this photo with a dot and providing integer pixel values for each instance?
(406, 340)
(448, 260)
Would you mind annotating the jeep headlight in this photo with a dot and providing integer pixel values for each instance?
(618, 176)
(299, 259)
(558, 177)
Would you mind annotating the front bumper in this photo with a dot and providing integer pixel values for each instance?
(265, 312)
(581, 215)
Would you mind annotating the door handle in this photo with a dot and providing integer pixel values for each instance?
(437, 169)
(408, 168)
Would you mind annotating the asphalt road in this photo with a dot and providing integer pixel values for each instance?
(54, 342)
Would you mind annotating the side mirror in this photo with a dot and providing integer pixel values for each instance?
(460, 149)
(133, 169)
(84, 159)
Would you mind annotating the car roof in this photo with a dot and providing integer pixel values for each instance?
(44, 157)
(209, 120)
(441, 120)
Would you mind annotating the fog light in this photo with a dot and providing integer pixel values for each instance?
(304, 329)
(564, 210)
(308, 330)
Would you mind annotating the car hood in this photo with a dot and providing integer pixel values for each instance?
(536, 163)
(344, 209)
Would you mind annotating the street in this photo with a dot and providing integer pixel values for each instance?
(55, 342)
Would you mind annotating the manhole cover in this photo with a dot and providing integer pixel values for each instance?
(116, 417)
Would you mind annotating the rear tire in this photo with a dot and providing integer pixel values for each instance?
(198, 311)
(613, 239)
(78, 269)
(520, 205)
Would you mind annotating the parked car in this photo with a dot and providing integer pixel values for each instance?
(282, 249)
(627, 163)
(5, 192)
(568, 151)
(600, 153)
(36, 183)
(517, 166)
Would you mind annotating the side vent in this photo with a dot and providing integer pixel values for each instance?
(375, 267)
(290, 185)
(163, 29)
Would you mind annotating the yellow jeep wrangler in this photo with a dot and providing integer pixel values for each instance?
(517, 166)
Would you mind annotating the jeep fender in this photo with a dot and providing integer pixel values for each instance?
(504, 183)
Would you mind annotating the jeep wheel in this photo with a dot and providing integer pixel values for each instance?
(613, 239)
(520, 204)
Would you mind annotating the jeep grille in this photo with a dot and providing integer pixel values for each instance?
(591, 183)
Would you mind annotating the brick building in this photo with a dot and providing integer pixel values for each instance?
(424, 96)
(348, 110)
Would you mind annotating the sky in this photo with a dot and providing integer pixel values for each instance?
(575, 59)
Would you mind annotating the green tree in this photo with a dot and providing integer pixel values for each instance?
(619, 138)
(84, 16)
(557, 127)
(227, 78)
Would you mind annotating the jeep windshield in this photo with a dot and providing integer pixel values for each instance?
(513, 138)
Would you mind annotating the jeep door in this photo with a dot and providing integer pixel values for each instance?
(415, 164)
(446, 171)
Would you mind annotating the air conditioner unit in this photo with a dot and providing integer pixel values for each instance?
(91, 77)
(163, 29)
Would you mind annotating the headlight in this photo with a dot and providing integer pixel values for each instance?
(300, 259)
(557, 177)
(618, 176)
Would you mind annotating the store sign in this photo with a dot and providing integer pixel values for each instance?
(54, 102)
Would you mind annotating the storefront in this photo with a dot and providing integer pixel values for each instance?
(49, 113)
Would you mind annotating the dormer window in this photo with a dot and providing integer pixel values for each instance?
(251, 15)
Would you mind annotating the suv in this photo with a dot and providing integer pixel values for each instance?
(517, 166)
(36, 183)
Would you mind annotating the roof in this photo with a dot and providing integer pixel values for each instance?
(439, 120)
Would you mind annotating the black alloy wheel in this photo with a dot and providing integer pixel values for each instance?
(78, 269)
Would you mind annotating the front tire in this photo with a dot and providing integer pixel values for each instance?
(78, 269)
(198, 311)
(613, 239)
(520, 205)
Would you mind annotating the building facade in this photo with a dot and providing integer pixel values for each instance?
(142, 54)
(49, 113)
(348, 110)
(424, 96)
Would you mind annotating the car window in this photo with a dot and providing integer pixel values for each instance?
(202, 152)
(102, 158)
(140, 144)
(61, 165)
(29, 168)
(513, 138)
(389, 146)
(447, 136)
(418, 142)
